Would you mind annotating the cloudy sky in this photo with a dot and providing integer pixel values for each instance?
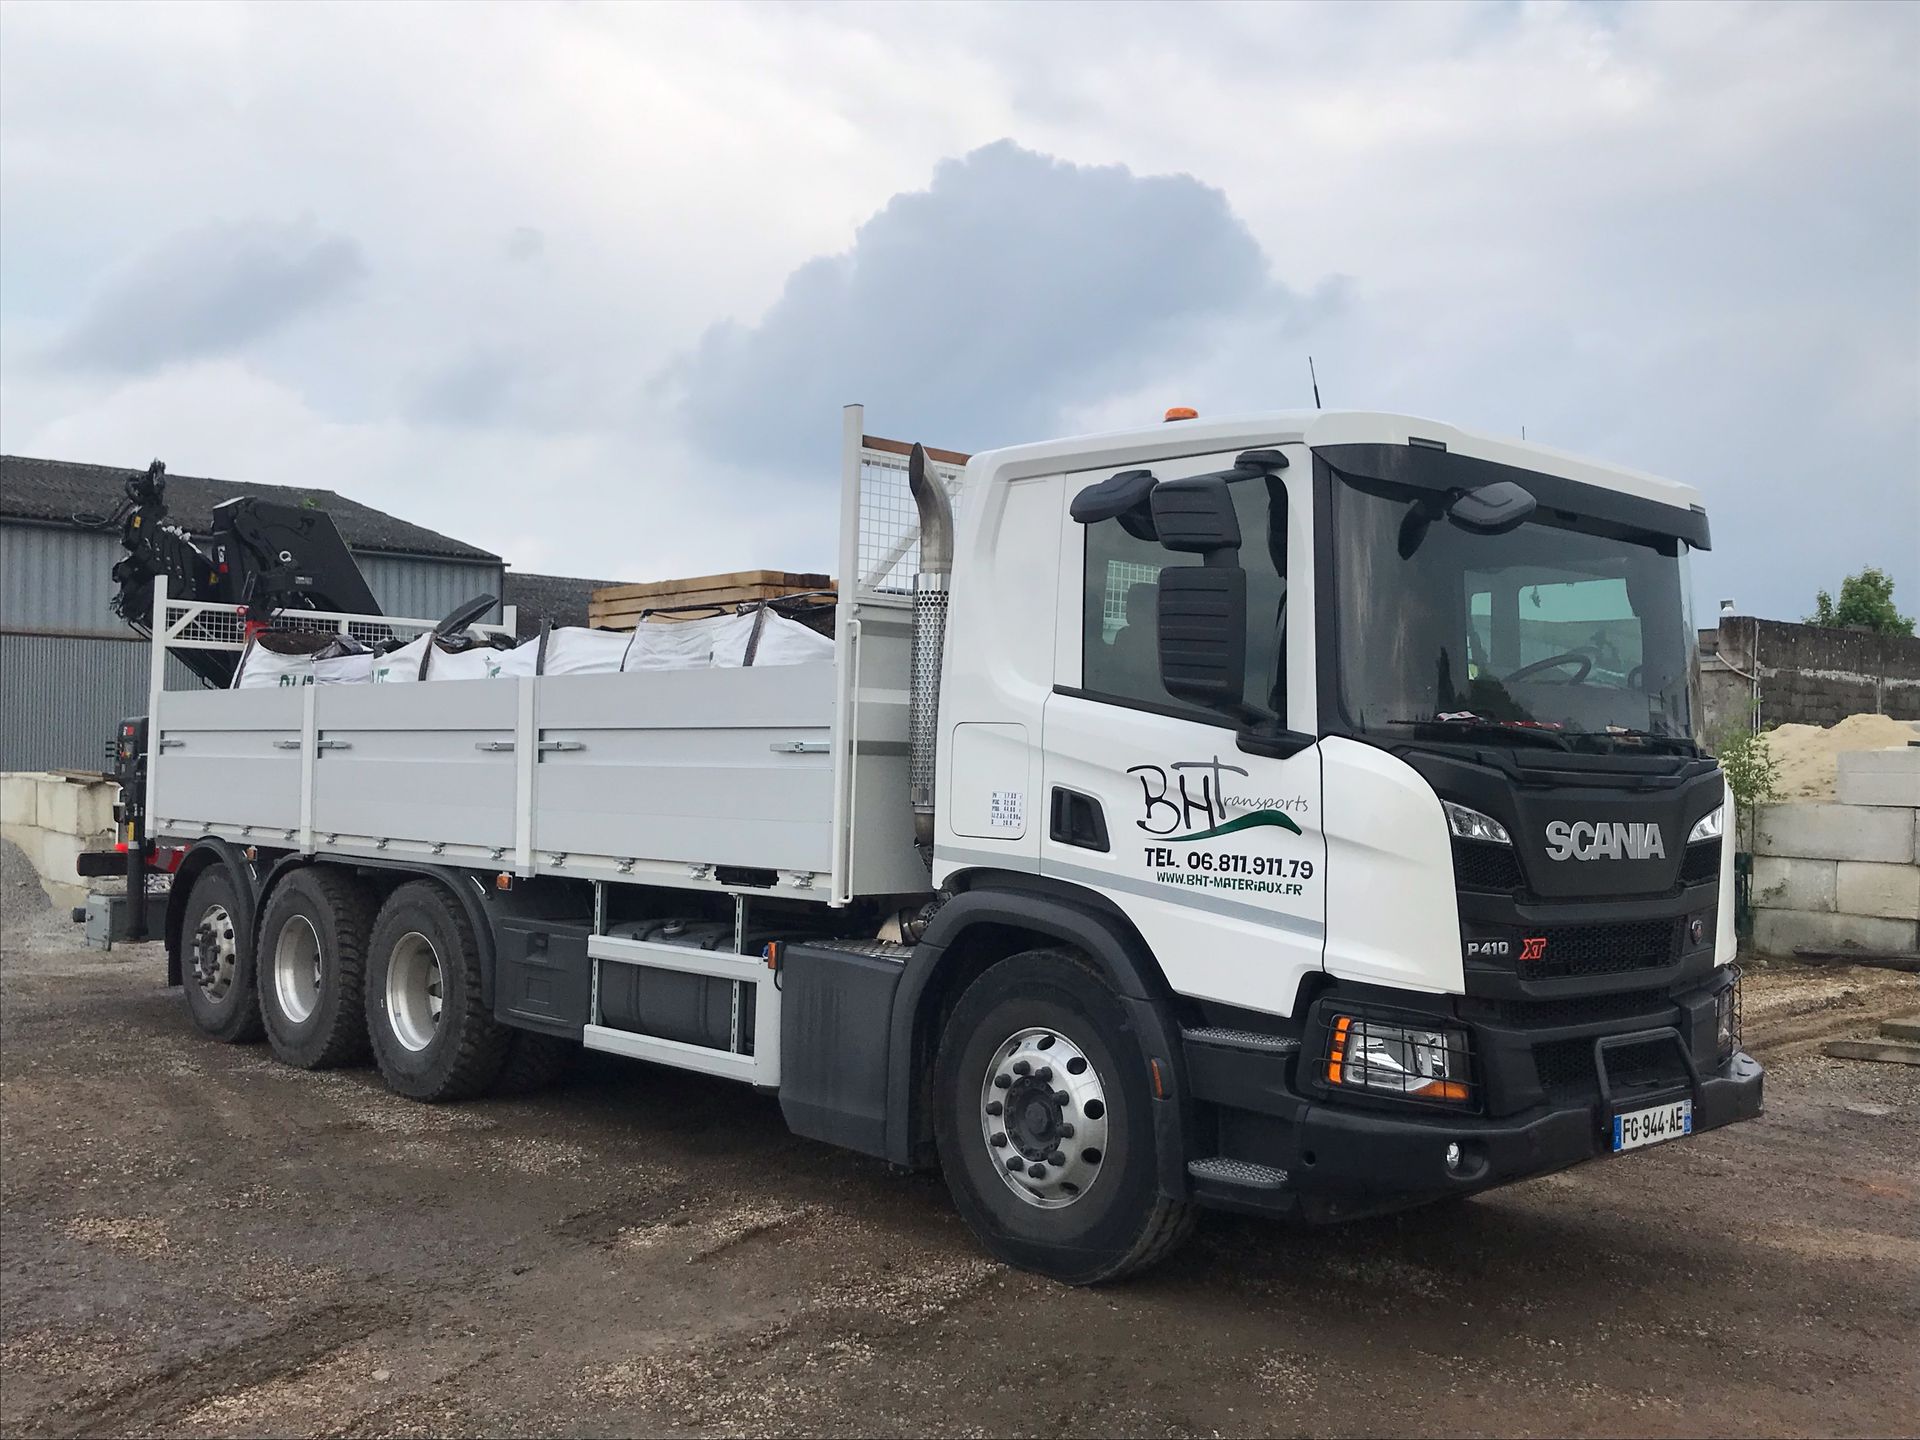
(587, 285)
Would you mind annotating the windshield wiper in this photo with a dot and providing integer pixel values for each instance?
(1673, 744)
(1504, 730)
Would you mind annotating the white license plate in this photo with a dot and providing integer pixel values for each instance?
(1635, 1128)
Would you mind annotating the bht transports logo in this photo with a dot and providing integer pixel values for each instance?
(1604, 840)
(1192, 798)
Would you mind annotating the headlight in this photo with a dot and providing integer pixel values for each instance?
(1365, 1054)
(1472, 825)
(1709, 825)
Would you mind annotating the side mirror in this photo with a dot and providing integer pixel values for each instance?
(1195, 516)
(1492, 509)
(1202, 619)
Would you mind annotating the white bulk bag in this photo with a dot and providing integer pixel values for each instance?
(576, 650)
(716, 641)
(273, 660)
(476, 662)
(509, 664)
(402, 664)
(356, 669)
(788, 642)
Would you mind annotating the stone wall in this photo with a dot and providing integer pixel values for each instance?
(52, 818)
(1806, 674)
(1836, 877)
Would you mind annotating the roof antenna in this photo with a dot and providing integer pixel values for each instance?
(1523, 432)
(1316, 382)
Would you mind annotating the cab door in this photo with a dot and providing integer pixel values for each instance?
(1215, 852)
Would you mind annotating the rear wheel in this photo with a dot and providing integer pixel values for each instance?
(1042, 1117)
(432, 1034)
(312, 964)
(216, 972)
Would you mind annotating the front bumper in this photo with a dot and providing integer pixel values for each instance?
(1361, 1162)
(1343, 1159)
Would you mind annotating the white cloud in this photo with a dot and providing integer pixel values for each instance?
(1681, 237)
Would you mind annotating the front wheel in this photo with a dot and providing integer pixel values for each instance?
(1044, 1126)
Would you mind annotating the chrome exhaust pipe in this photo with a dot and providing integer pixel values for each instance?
(929, 639)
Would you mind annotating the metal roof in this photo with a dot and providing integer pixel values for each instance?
(56, 491)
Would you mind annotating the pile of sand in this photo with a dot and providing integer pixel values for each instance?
(1804, 753)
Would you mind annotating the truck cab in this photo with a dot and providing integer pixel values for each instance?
(1378, 734)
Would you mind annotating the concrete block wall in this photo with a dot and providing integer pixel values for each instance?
(1803, 674)
(52, 818)
(1836, 877)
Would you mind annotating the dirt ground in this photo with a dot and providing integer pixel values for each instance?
(197, 1241)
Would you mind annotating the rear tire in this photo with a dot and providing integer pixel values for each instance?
(311, 964)
(216, 961)
(1067, 1187)
(433, 1037)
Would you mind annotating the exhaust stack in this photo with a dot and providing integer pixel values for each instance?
(929, 638)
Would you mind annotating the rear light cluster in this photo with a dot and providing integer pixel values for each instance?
(1410, 1061)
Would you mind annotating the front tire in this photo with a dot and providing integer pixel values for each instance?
(311, 963)
(216, 970)
(1044, 1125)
(433, 1036)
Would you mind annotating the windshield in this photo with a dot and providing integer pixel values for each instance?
(1559, 626)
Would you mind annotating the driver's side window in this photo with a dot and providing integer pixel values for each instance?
(1120, 654)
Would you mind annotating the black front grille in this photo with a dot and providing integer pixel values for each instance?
(1561, 951)
(1567, 1072)
(1655, 1006)
(1481, 865)
(1702, 863)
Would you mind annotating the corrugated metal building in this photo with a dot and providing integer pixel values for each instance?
(70, 668)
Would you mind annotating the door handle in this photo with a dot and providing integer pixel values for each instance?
(1077, 820)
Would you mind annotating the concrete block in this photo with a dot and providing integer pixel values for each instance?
(1863, 888)
(96, 808)
(60, 807)
(1780, 883)
(1781, 932)
(1878, 777)
(19, 799)
(1836, 832)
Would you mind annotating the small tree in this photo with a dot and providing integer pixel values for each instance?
(1866, 603)
(1753, 775)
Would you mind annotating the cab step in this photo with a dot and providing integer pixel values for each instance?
(1241, 1174)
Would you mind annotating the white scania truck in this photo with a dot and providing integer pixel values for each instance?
(1292, 813)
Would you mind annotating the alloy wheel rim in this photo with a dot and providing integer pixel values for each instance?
(296, 969)
(415, 993)
(1043, 1117)
(215, 953)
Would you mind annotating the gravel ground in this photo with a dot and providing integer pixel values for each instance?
(197, 1241)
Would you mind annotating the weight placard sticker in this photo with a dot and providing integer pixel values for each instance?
(1006, 810)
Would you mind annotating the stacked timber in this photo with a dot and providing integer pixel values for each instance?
(620, 607)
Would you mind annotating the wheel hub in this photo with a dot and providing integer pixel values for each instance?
(415, 992)
(1043, 1115)
(215, 952)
